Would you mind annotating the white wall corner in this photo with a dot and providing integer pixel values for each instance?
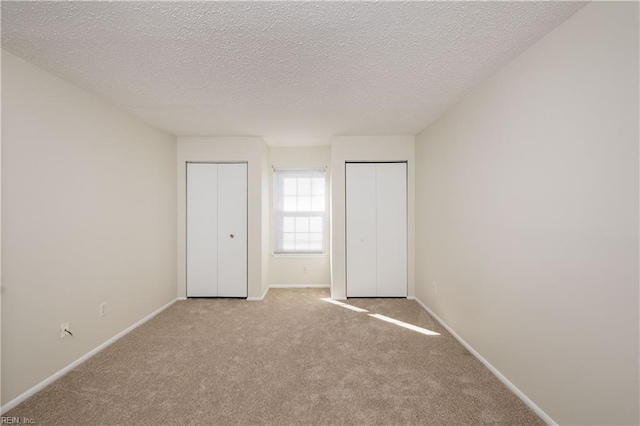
(258, 299)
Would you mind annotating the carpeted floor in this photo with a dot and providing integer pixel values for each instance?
(291, 359)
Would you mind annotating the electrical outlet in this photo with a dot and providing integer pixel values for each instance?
(103, 309)
(63, 329)
(304, 269)
(435, 287)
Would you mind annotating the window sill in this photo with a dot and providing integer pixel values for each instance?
(300, 255)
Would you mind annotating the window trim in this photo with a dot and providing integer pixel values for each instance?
(278, 215)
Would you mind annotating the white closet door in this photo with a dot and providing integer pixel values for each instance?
(361, 229)
(202, 230)
(232, 230)
(391, 229)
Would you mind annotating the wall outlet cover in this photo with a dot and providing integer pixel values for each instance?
(103, 309)
(63, 329)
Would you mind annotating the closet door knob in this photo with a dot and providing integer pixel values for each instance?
(231, 236)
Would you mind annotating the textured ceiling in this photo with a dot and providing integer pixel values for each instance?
(295, 73)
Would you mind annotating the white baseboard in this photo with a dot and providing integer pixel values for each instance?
(182, 298)
(258, 299)
(544, 416)
(299, 286)
(24, 396)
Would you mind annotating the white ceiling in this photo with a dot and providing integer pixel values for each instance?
(295, 73)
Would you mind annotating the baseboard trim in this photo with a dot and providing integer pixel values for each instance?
(258, 299)
(544, 416)
(299, 286)
(35, 389)
(182, 298)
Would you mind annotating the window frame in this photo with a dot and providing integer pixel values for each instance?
(279, 214)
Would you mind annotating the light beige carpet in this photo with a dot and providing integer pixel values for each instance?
(291, 359)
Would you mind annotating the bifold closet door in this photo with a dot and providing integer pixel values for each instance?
(232, 230)
(361, 229)
(391, 229)
(216, 230)
(376, 222)
(202, 230)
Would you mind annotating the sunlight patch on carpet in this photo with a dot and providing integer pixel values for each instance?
(344, 305)
(382, 317)
(405, 325)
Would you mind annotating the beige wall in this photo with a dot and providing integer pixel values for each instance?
(285, 269)
(227, 149)
(527, 219)
(366, 148)
(88, 216)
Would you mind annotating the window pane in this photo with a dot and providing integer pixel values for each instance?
(289, 186)
(315, 241)
(315, 224)
(302, 241)
(304, 187)
(288, 241)
(288, 224)
(304, 204)
(317, 204)
(317, 186)
(302, 224)
(290, 204)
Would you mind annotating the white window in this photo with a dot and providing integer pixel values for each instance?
(299, 211)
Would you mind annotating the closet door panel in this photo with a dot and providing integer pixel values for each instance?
(391, 229)
(232, 230)
(202, 232)
(361, 229)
